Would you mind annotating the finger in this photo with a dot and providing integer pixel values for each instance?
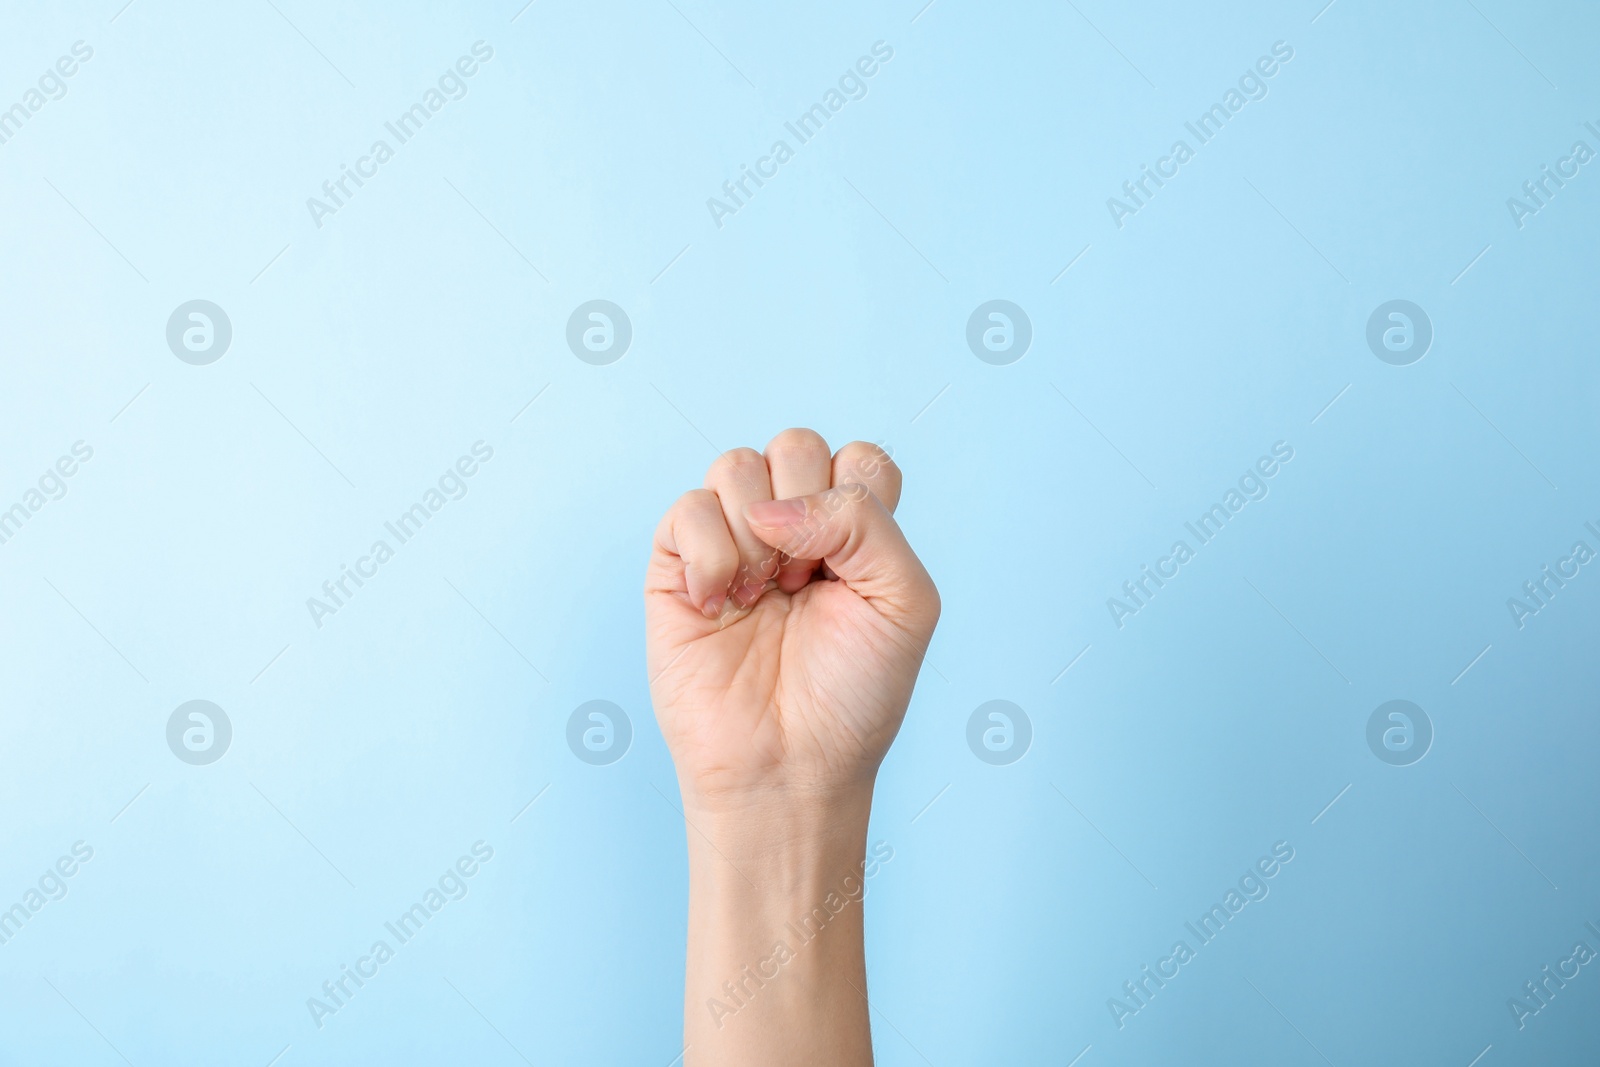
(798, 463)
(858, 539)
(867, 464)
(695, 553)
(739, 477)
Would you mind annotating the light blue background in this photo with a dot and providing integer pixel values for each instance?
(1225, 316)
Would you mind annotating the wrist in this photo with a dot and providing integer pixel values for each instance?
(779, 839)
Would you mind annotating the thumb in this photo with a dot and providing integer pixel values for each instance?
(848, 528)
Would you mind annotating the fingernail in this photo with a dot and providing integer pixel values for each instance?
(776, 513)
(713, 606)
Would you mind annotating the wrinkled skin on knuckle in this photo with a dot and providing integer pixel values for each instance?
(865, 457)
(797, 444)
(734, 464)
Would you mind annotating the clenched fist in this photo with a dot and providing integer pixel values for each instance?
(786, 620)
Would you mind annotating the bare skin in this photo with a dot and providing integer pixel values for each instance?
(786, 619)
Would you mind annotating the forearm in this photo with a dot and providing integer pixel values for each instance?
(776, 968)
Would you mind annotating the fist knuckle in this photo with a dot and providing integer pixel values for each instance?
(868, 460)
(694, 500)
(736, 463)
(797, 443)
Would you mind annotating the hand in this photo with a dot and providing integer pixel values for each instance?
(786, 619)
